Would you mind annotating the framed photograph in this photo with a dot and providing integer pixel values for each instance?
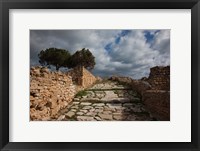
(99, 75)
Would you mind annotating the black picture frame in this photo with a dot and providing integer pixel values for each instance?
(5, 5)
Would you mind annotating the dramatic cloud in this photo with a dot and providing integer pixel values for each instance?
(117, 52)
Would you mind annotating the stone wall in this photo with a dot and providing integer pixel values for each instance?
(87, 79)
(75, 73)
(153, 90)
(82, 77)
(49, 93)
(159, 78)
(158, 103)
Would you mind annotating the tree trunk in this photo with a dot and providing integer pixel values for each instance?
(57, 68)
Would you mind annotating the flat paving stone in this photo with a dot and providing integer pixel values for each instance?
(105, 116)
(75, 107)
(91, 114)
(98, 104)
(79, 113)
(85, 118)
(87, 107)
(106, 101)
(73, 110)
(98, 118)
(108, 112)
(62, 117)
(92, 110)
(76, 99)
(75, 103)
(99, 107)
(117, 117)
(84, 111)
(109, 95)
(70, 114)
(117, 113)
(85, 103)
(98, 110)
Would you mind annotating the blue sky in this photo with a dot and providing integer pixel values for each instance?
(117, 52)
(149, 35)
(123, 33)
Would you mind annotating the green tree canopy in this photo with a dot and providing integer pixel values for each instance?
(82, 58)
(53, 56)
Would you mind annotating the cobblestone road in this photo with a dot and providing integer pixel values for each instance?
(106, 101)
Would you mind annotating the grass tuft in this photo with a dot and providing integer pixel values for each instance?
(81, 93)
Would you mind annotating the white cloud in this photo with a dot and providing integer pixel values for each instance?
(132, 56)
(133, 49)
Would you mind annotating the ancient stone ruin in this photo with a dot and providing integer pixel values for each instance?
(82, 77)
(49, 92)
(52, 91)
(55, 96)
(157, 99)
(159, 78)
(106, 101)
(154, 91)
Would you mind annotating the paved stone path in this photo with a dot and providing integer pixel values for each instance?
(106, 101)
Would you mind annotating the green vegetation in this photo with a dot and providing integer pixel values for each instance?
(82, 58)
(81, 93)
(115, 91)
(53, 56)
(62, 58)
